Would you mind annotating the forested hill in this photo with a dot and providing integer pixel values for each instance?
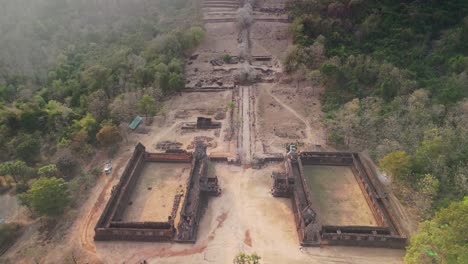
(34, 32)
(395, 75)
(70, 68)
(74, 73)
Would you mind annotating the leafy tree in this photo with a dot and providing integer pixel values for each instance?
(147, 106)
(7, 93)
(175, 66)
(442, 239)
(97, 104)
(124, 107)
(162, 76)
(145, 75)
(176, 82)
(47, 196)
(17, 169)
(432, 148)
(9, 233)
(66, 163)
(50, 170)
(96, 76)
(197, 34)
(243, 258)
(87, 123)
(108, 135)
(28, 148)
(33, 118)
(21, 188)
(397, 164)
(173, 45)
(58, 114)
(85, 129)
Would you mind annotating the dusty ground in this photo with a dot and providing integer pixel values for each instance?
(270, 38)
(337, 197)
(288, 114)
(186, 108)
(10, 210)
(165, 180)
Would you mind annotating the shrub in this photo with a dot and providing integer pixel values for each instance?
(243, 258)
(397, 164)
(8, 234)
(227, 58)
(47, 196)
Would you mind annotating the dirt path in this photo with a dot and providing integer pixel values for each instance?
(297, 115)
(86, 239)
(246, 151)
(162, 134)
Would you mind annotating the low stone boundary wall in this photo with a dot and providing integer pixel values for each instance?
(199, 187)
(134, 234)
(362, 236)
(110, 225)
(223, 157)
(310, 230)
(166, 157)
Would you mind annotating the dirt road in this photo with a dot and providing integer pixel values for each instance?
(294, 112)
(247, 144)
(85, 237)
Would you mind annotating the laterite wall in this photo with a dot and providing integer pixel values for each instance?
(387, 234)
(110, 225)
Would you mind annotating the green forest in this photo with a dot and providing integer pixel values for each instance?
(395, 75)
(72, 75)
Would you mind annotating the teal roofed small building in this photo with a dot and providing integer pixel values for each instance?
(134, 124)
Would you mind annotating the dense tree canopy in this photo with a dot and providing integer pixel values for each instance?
(17, 169)
(147, 105)
(48, 170)
(47, 196)
(397, 164)
(109, 134)
(442, 239)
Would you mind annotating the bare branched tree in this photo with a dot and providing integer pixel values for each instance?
(247, 74)
(245, 17)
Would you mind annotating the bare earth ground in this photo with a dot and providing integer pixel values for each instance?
(187, 108)
(10, 210)
(287, 114)
(165, 180)
(337, 196)
(270, 38)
